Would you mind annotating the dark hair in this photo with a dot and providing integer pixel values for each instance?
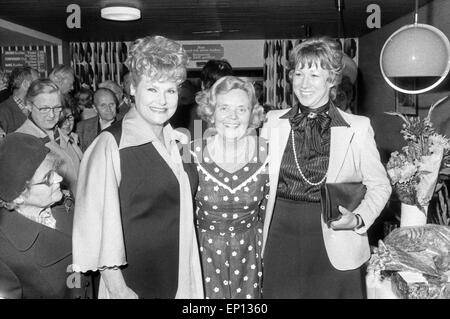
(345, 94)
(18, 75)
(84, 90)
(125, 72)
(214, 70)
(69, 103)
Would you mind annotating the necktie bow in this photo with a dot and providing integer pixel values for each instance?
(318, 121)
(313, 124)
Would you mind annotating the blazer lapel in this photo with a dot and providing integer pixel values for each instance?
(278, 137)
(278, 140)
(339, 144)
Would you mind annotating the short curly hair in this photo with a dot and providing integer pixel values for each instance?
(207, 99)
(321, 51)
(158, 58)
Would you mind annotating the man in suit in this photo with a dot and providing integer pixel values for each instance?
(13, 111)
(105, 102)
(123, 104)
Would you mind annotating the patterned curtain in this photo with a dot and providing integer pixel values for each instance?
(277, 87)
(95, 62)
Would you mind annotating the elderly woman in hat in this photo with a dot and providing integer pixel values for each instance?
(35, 238)
(134, 215)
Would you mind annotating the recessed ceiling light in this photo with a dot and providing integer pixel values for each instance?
(120, 13)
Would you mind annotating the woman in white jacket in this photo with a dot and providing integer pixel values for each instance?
(311, 144)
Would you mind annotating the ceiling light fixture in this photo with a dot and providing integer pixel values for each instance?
(120, 13)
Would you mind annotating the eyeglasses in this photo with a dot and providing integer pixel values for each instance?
(48, 179)
(69, 118)
(47, 109)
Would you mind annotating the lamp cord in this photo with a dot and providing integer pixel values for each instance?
(340, 6)
(416, 12)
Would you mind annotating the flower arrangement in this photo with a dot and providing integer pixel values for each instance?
(414, 171)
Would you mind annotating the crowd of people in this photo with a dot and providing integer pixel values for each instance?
(152, 188)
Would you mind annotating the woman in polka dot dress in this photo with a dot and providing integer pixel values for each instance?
(232, 167)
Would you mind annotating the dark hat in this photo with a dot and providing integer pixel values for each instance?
(20, 156)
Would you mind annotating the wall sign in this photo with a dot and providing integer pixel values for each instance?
(200, 53)
(36, 59)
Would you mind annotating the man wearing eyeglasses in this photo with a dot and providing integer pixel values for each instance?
(43, 99)
(13, 111)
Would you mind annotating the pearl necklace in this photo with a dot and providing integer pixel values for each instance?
(298, 165)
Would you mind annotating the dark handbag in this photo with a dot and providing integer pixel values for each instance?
(333, 195)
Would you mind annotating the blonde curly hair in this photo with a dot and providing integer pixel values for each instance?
(158, 58)
(207, 99)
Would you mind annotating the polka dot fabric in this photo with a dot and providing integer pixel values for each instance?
(229, 218)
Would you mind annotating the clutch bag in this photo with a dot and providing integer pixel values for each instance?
(333, 195)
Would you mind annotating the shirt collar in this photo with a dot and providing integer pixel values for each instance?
(136, 131)
(66, 138)
(333, 112)
(56, 132)
(45, 217)
(20, 104)
(104, 124)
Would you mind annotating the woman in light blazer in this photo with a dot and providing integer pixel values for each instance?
(311, 144)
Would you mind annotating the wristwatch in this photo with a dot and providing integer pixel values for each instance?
(359, 222)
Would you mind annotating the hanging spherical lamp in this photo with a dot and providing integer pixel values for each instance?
(416, 53)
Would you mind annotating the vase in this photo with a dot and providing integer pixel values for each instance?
(411, 215)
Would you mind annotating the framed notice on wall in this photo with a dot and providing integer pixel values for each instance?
(42, 58)
(33, 58)
(199, 54)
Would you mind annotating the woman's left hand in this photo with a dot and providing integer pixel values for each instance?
(348, 220)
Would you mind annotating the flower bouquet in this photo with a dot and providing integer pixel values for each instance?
(417, 261)
(414, 171)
